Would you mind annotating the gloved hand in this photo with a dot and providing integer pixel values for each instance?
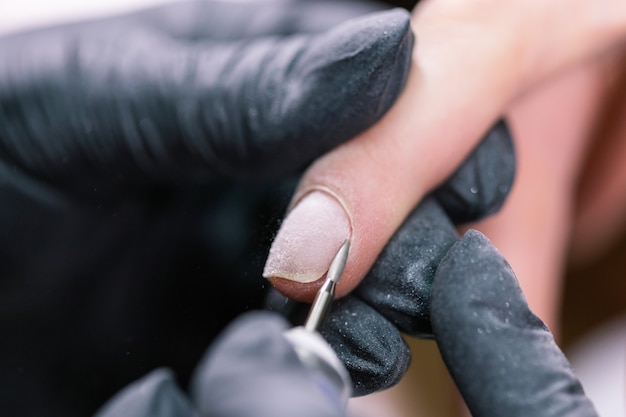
(395, 296)
(197, 91)
(250, 371)
(124, 143)
(101, 134)
(502, 357)
(428, 283)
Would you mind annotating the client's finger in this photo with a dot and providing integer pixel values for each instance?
(502, 357)
(466, 71)
(365, 188)
(363, 327)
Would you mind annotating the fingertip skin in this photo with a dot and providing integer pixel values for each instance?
(502, 357)
(298, 291)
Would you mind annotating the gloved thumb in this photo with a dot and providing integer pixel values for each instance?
(502, 357)
(252, 370)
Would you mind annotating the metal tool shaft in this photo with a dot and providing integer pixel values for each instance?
(324, 298)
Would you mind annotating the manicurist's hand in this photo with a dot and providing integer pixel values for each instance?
(251, 370)
(501, 356)
(142, 160)
(472, 60)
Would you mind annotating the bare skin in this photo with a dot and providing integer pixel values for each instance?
(552, 127)
(466, 51)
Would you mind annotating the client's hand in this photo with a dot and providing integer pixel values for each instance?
(472, 60)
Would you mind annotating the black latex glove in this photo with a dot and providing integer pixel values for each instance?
(427, 283)
(122, 145)
(250, 371)
(395, 296)
(502, 357)
(197, 91)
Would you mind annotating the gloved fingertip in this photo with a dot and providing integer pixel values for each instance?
(333, 86)
(155, 395)
(371, 57)
(399, 284)
(370, 346)
(378, 36)
(501, 355)
(479, 187)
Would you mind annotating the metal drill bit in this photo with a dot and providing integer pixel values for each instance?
(324, 298)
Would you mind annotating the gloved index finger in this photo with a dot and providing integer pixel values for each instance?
(503, 359)
(124, 104)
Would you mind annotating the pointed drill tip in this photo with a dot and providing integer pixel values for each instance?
(339, 262)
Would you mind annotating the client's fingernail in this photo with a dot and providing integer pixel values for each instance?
(308, 239)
